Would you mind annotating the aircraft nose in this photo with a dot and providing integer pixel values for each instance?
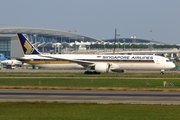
(172, 66)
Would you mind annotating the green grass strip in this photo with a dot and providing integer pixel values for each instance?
(86, 111)
(91, 83)
(70, 74)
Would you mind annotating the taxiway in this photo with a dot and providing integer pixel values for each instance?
(103, 97)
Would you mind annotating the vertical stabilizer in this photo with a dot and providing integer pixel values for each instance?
(2, 57)
(26, 46)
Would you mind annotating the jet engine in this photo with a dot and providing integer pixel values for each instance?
(102, 67)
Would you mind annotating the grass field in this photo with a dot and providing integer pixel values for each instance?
(89, 83)
(86, 111)
(127, 81)
(70, 74)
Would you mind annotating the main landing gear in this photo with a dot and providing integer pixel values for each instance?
(91, 72)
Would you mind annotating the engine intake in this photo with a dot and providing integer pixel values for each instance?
(102, 67)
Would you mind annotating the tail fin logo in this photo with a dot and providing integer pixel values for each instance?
(29, 48)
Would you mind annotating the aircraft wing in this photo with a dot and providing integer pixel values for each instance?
(80, 62)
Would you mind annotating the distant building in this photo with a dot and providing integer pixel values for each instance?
(54, 41)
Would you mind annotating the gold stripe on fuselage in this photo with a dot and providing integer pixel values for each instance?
(36, 62)
(47, 62)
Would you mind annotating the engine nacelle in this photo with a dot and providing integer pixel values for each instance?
(102, 67)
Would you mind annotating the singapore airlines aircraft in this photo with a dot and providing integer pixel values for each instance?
(94, 64)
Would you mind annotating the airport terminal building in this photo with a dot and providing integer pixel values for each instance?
(54, 41)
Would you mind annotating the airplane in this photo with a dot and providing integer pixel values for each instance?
(93, 63)
(4, 60)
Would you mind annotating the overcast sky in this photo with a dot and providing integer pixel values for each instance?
(98, 18)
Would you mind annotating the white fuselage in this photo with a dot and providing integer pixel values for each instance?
(118, 62)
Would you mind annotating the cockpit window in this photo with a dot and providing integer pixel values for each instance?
(168, 61)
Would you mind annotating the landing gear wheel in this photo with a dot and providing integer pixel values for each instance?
(85, 72)
(91, 72)
(94, 72)
(162, 73)
(88, 72)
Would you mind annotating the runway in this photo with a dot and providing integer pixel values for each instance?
(101, 97)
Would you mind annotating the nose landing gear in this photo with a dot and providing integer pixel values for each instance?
(162, 72)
